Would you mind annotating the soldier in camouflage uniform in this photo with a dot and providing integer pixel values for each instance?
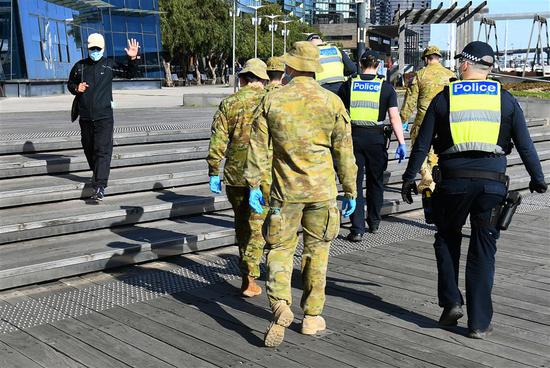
(427, 83)
(230, 139)
(308, 128)
(276, 72)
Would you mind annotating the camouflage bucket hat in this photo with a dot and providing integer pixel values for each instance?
(304, 57)
(256, 67)
(431, 50)
(275, 64)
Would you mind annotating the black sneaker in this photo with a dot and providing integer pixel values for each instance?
(99, 193)
(354, 237)
(450, 316)
(480, 334)
(373, 229)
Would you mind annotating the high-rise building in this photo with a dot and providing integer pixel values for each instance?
(422, 30)
(335, 11)
(380, 12)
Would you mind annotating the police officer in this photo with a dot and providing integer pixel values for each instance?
(472, 123)
(369, 99)
(336, 65)
(91, 80)
(276, 72)
(230, 139)
(308, 128)
(427, 83)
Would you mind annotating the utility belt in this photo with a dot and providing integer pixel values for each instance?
(438, 175)
(501, 215)
(385, 129)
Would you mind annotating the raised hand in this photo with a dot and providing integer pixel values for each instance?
(132, 49)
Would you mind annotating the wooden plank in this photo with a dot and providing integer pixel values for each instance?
(350, 299)
(11, 358)
(253, 317)
(355, 291)
(36, 350)
(409, 284)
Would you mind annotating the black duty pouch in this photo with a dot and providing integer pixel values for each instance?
(511, 204)
(501, 215)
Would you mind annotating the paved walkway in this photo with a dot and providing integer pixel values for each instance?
(381, 310)
(124, 99)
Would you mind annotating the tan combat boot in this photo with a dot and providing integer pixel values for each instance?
(282, 318)
(313, 324)
(249, 287)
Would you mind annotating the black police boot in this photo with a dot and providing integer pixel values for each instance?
(450, 316)
(354, 237)
(480, 334)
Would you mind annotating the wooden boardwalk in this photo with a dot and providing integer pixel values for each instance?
(381, 310)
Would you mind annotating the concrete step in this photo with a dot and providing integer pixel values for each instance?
(39, 260)
(50, 188)
(74, 160)
(138, 134)
(151, 133)
(51, 219)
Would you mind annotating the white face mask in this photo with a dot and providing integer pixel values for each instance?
(96, 55)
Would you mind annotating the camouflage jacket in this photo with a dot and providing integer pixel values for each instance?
(272, 87)
(308, 128)
(427, 83)
(231, 134)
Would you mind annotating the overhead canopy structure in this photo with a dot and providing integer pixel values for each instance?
(462, 16)
(81, 5)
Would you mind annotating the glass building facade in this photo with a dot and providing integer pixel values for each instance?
(40, 40)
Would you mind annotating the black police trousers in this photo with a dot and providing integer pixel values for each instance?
(371, 158)
(97, 142)
(453, 201)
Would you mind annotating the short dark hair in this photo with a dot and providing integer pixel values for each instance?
(250, 77)
(433, 57)
(369, 62)
(275, 74)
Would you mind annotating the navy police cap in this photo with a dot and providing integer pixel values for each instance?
(478, 52)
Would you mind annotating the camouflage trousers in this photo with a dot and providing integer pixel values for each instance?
(426, 180)
(321, 223)
(248, 231)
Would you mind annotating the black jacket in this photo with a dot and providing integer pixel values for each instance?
(95, 102)
(435, 129)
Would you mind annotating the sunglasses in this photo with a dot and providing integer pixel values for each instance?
(95, 48)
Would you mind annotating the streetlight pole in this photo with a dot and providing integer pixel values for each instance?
(234, 46)
(285, 32)
(256, 22)
(273, 28)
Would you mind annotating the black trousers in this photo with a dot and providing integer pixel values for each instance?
(371, 158)
(453, 201)
(97, 142)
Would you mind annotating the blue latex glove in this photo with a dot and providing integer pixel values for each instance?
(348, 206)
(406, 126)
(401, 152)
(256, 200)
(215, 184)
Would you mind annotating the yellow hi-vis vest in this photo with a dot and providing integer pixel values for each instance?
(474, 116)
(333, 67)
(365, 101)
